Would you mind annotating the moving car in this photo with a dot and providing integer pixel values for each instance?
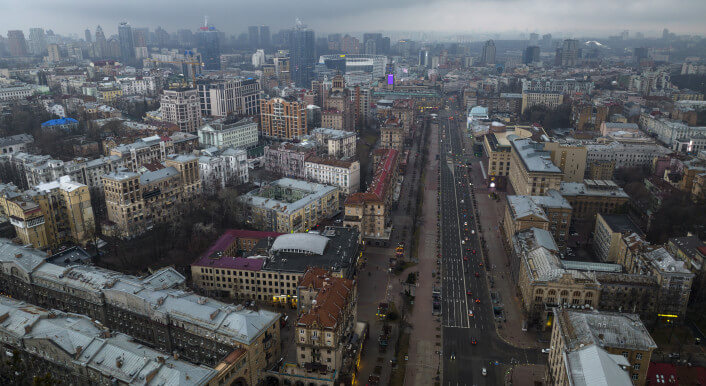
(470, 313)
(477, 274)
(484, 371)
(453, 355)
(473, 342)
(477, 300)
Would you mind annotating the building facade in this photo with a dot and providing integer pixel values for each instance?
(532, 172)
(182, 108)
(240, 134)
(282, 119)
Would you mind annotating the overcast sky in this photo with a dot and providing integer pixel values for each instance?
(474, 17)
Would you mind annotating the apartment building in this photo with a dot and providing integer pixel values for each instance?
(232, 96)
(288, 159)
(548, 99)
(283, 119)
(608, 235)
(156, 310)
(331, 171)
(592, 347)
(551, 212)
(182, 108)
(239, 134)
(15, 143)
(51, 214)
(590, 197)
(338, 108)
(267, 266)
(674, 278)
(624, 155)
(100, 356)
(338, 143)
(143, 151)
(668, 131)
(287, 205)
(392, 134)
(690, 250)
(532, 171)
(369, 211)
(219, 168)
(570, 159)
(136, 202)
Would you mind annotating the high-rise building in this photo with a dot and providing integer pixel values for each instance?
(16, 43)
(302, 53)
(265, 40)
(127, 44)
(185, 38)
(254, 36)
(534, 39)
(53, 53)
(280, 118)
(568, 54)
(424, 58)
(87, 35)
(209, 47)
(234, 96)
(37, 42)
(488, 56)
(100, 47)
(182, 108)
(531, 55)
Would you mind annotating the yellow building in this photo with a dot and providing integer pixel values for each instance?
(551, 212)
(108, 95)
(570, 159)
(532, 172)
(614, 347)
(51, 214)
(591, 197)
(551, 100)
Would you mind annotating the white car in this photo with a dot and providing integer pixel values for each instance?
(484, 371)
(470, 313)
(545, 351)
(465, 223)
(473, 231)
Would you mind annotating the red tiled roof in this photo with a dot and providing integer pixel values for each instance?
(330, 301)
(381, 180)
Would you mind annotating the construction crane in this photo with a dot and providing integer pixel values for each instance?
(182, 62)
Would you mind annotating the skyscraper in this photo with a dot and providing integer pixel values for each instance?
(568, 54)
(185, 38)
(531, 55)
(254, 36)
(16, 43)
(209, 47)
(127, 44)
(488, 56)
(302, 54)
(265, 40)
(87, 35)
(37, 42)
(100, 47)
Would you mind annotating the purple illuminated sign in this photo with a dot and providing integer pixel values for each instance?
(390, 79)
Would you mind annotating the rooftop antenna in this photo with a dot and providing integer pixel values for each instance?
(205, 21)
(298, 22)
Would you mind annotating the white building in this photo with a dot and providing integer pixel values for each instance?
(339, 143)
(15, 143)
(219, 168)
(669, 130)
(258, 58)
(344, 174)
(239, 96)
(625, 154)
(140, 85)
(15, 92)
(240, 134)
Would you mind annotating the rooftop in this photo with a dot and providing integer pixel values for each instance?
(533, 157)
(308, 243)
(592, 188)
(621, 223)
(331, 299)
(15, 140)
(60, 122)
(523, 206)
(593, 366)
(287, 195)
(217, 257)
(606, 329)
(665, 262)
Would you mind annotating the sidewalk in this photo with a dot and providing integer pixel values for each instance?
(424, 363)
(526, 375)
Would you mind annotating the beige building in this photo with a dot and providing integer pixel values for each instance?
(331, 171)
(282, 119)
(497, 147)
(136, 202)
(598, 348)
(608, 236)
(288, 205)
(570, 159)
(181, 107)
(551, 100)
(591, 197)
(338, 143)
(551, 212)
(51, 214)
(601, 170)
(532, 172)
(392, 134)
(143, 151)
(544, 282)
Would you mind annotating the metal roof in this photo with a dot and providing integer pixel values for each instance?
(307, 242)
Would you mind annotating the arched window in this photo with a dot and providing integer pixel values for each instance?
(577, 294)
(539, 291)
(589, 294)
(564, 293)
(552, 292)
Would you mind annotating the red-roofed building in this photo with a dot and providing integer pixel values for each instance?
(370, 211)
(667, 374)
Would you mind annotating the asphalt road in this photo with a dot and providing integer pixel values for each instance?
(470, 341)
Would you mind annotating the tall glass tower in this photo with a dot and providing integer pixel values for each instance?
(302, 55)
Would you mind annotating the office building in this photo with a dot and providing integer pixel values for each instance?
(232, 96)
(488, 55)
(268, 266)
(156, 310)
(254, 36)
(532, 172)
(531, 55)
(37, 41)
(283, 119)
(208, 43)
(287, 205)
(53, 53)
(127, 43)
(238, 134)
(369, 211)
(549, 99)
(598, 348)
(87, 36)
(100, 46)
(568, 54)
(302, 55)
(181, 107)
(265, 39)
(338, 109)
(138, 201)
(16, 43)
(590, 197)
(355, 63)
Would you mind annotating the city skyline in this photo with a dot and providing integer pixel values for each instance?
(595, 18)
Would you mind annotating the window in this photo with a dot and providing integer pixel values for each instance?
(636, 366)
(638, 356)
(635, 376)
(625, 354)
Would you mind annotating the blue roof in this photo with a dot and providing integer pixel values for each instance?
(60, 121)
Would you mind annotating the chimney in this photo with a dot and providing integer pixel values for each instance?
(119, 362)
(18, 255)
